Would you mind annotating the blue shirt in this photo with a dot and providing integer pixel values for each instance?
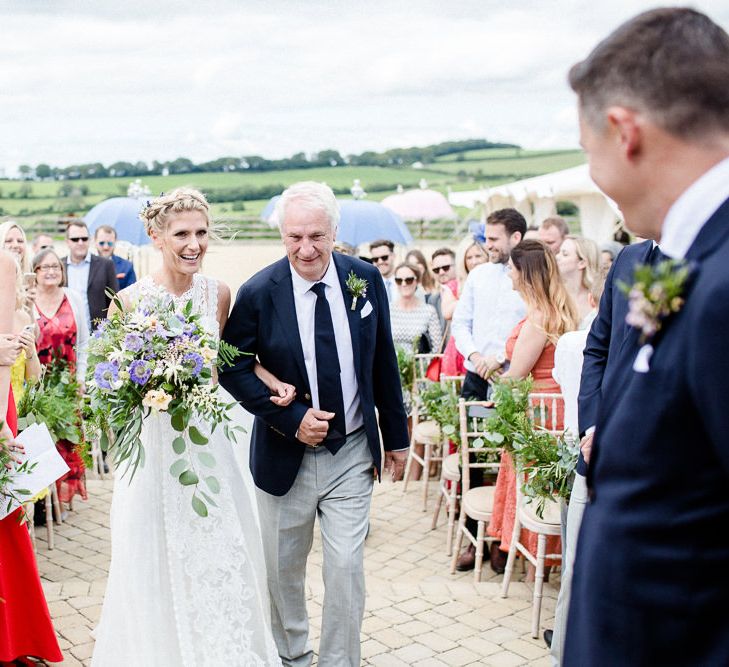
(78, 281)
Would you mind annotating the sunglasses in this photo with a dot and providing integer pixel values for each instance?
(442, 269)
(78, 239)
(381, 258)
(408, 281)
(105, 244)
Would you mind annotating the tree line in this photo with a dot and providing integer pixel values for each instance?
(394, 157)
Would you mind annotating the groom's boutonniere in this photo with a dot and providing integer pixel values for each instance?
(656, 292)
(357, 287)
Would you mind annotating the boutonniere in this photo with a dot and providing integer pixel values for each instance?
(656, 292)
(357, 287)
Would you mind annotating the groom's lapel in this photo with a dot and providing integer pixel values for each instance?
(353, 316)
(282, 297)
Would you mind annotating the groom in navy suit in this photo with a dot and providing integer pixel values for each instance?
(649, 585)
(314, 326)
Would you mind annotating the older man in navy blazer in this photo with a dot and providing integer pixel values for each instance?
(320, 321)
(648, 585)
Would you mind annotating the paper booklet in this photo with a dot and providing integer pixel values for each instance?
(40, 449)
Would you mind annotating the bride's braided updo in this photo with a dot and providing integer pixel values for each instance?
(159, 210)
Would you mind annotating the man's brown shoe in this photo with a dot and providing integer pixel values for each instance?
(498, 558)
(467, 560)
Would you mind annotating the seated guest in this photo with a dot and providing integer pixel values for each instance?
(530, 351)
(382, 253)
(578, 266)
(105, 240)
(88, 275)
(553, 231)
(608, 252)
(414, 323)
(63, 335)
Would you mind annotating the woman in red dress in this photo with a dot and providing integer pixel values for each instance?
(25, 624)
(63, 334)
(530, 350)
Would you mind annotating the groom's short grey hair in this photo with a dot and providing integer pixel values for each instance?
(311, 196)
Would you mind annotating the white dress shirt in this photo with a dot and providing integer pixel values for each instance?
(692, 210)
(305, 303)
(567, 372)
(78, 281)
(487, 311)
(390, 288)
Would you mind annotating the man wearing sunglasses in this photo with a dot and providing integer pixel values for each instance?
(105, 240)
(88, 275)
(382, 253)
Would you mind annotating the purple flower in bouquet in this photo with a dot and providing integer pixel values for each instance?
(139, 372)
(194, 362)
(133, 342)
(106, 372)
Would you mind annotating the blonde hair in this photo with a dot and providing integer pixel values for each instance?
(159, 210)
(587, 251)
(543, 289)
(5, 228)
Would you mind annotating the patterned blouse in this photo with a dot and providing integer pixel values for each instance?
(409, 325)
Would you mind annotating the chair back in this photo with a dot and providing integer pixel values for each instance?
(454, 381)
(546, 410)
(473, 442)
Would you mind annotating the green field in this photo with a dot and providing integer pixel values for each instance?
(39, 204)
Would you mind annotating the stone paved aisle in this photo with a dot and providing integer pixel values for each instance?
(417, 613)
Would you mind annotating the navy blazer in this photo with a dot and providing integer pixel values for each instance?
(125, 273)
(648, 585)
(611, 341)
(263, 322)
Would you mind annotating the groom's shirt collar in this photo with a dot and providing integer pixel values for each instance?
(302, 285)
(692, 210)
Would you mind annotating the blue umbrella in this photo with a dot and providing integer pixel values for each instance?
(361, 221)
(121, 213)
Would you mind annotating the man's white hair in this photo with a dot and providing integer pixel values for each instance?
(311, 196)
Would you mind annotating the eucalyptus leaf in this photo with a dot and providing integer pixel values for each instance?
(213, 484)
(199, 507)
(207, 459)
(178, 467)
(208, 498)
(188, 478)
(178, 444)
(197, 437)
(178, 421)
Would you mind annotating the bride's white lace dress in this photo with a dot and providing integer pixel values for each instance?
(185, 590)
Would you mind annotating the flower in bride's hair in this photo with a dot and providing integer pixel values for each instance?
(106, 375)
(156, 399)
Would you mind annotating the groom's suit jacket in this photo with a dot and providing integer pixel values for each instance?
(263, 322)
(649, 582)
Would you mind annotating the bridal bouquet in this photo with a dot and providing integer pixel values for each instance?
(156, 358)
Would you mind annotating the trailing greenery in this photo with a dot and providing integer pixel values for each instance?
(8, 471)
(547, 461)
(405, 361)
(440, 403)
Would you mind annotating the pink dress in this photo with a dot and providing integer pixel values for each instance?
(452, 363)
(501, 525)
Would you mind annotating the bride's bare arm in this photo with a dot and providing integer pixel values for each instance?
(282, 393)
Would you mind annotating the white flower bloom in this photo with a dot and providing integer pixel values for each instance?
(157, 399)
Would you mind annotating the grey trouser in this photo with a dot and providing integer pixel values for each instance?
(338, 490)
(578, 500)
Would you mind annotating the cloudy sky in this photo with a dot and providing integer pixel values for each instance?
(93, 80)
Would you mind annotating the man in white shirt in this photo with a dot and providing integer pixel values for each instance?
(382, 253)
(487, 311)
(489, 307)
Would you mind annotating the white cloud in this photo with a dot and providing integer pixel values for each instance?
(154, 80)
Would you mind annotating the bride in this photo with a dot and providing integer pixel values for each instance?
(186, 590)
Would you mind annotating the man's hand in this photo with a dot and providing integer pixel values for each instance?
(480, 362)
(283, 393)
(314, 427)
(586, 446)
(395, 462)
(10, 347)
